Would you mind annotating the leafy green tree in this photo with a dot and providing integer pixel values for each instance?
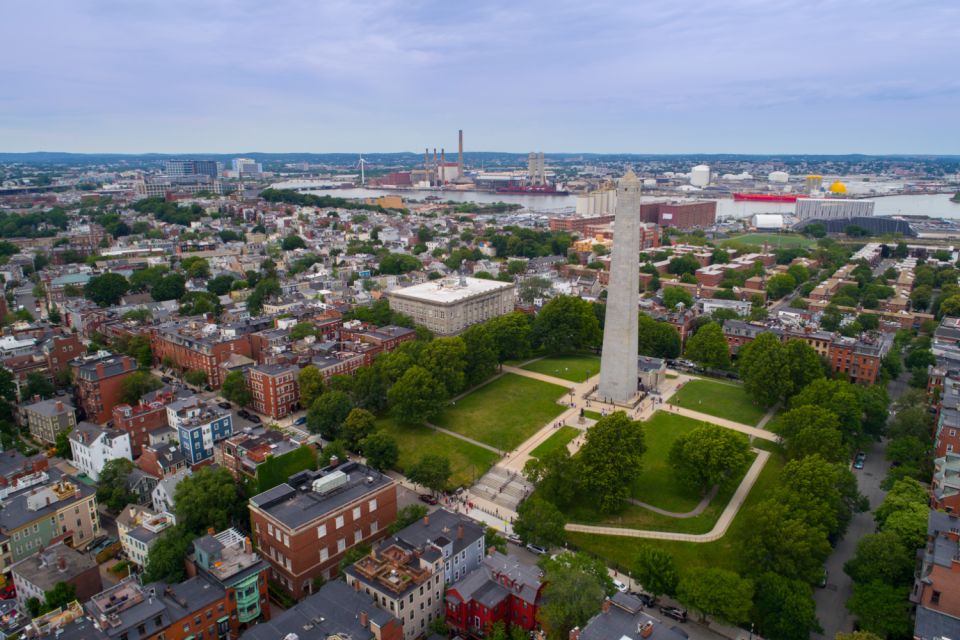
(557, 476)
(107, 289)
(904, 494)
(146, 279)
(380, 450)
(511, 335)
(62, 444)
(882, 609)
(685, 264)
(920, 297)
(165, 561)
(358, 424)
(811, 429)
(112, 488)
(540, 522)
(62, 594)
(137, 385)
(335, 449)
(263, 291)
(234, 389)
(672, 296)
(196, 377)
(708, 347)
(710, 455)
(764, 369)
(656, 570)
(804, 364)
(824, 494)
(416, 397)
(572, 596)
(398, 263)
(292, 242)
(657, 339)
(209, 498)
(611, 458)
(170, 287)
(432, 471)
(565, 324)
(785, 608)
(221, 284)
(909, 524)
(196, 267)
(881, 557)
(38, 385)
(783, 542)
(841, 398)
(481, 354)
(719, 593)
(446, 360)
(139, 347)
(311, 385)
(780, 285)
(34, 607)
(327, 413)
(301, 330)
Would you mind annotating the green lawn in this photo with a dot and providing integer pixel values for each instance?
(575, 368)
(593, 415)
(505, 412)
(773, 424)
(556, 441)
(467, 461)
(720, 399)
(776, 241)
(725, 553)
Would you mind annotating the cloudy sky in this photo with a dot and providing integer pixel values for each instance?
(648, 76)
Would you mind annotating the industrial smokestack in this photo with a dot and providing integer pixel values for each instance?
(426, 159)
(442, 177)
(460, 155)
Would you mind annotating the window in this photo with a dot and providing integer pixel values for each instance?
(339, 522)
(321, 531)
(372, 505)
(142, 629)
(341, 544)
(374, 527)
(269, 529)
(209, 613)
(286, 540)
(935, 598)
(324, 554)
(356, 513)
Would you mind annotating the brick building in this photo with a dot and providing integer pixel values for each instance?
(682, 215)
(98, 383)
(275, 390)
(198, 346)
(305, 526)
(577, 224)
(936, 590)
(243, 453)
(143, 418)
(59, 350)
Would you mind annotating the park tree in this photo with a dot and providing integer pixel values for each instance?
(881, 557)
(566, 324)
(511, 334)
(301, 330)
(136, 385)
(611, 458)
(446, 360)
(38, 385)
(804, 364)
(416, 397)
(841, 398)
(717, 592)
(540, 522)
(801, 429)
(656, 570)
(909, 524)
(234, 389)
(310, 381)
(710, 455)
(903, 494)
(380, 450)
(685, 264)
(764, 369)
(369, 389)
(196, 377)
(780, 285)
(784, 608)
(572, 596)
(784, 542)
(432, 471)
(708, 347)
(358, 424)
(673, 296)
(557, 476)
(112, 488)
(882, 609)
(209, 498)
(481, 354)
(107, 289)
(824, 494)
(657, 339)
(170, 287)
(165, 559)
(334, 449)
(62, 594)
(327, 413)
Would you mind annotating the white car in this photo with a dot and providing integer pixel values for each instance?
(622, 588)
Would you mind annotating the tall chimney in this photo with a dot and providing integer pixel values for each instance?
(442, 174)
(460, 155)
(460, 531)
(426, 159)
(426, 520)
(363, 619)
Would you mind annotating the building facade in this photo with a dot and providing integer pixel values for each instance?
(93, 446)
(138, 528)
(39, 573)
(98, 382)
(200, 425)
(448, 306)
(832, 208)
(198, 346)
(47, 419)
(275, 390)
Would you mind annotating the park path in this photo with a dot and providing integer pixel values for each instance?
(460, 436)
(723, 422)
(693, 513)
(769, 416)
(719, 529)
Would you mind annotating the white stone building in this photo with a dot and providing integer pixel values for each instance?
(450, 305)
(92, 446)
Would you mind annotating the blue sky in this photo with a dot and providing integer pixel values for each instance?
(672, 76)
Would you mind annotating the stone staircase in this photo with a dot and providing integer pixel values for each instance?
(502, 486)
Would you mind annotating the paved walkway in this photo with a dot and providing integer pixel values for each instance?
(719, 529)
(769, 416)
(723, 422)
(693, 513)
(464, 438)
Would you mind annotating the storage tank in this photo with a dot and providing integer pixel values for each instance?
(767, 221)
(780, 177)
(700, 175)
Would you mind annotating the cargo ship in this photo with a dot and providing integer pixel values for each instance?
(766, 197)
(534, 190)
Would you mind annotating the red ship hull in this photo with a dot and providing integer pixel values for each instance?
(534, 190)
(765, 197)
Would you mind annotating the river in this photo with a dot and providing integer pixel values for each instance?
(934, 205)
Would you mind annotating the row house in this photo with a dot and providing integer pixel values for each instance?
(14, 465)
(34, 576)
(242, 454)
(93, 446)
(98, 381)
(138, 528)
(198, 346)
(200, 425)
(274, 389)
(945, 486)
(936, 589)
(147, 416)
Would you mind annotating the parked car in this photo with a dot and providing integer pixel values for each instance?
(302, 420)
(674, 612)
(622, 588)
(166, 379)
(822, 582)
(859, 460)
(647, 599)
(537, 549)
(243, 413)
(426, 497)
(514, 538)
(225, 405)
(254, 419)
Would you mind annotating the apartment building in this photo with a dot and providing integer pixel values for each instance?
(243, 453)
(48, 418)
(200, 425)
(936, 590)
(274, 388)
(450, 305)
(138, 528)
(39, 573)
(305, 526)
(198, 346)
(145, 417)
(93, 446)
(98, 381)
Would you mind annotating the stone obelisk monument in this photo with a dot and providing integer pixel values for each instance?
(618, 365)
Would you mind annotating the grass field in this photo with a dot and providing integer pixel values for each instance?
(575, 368)
(505, 412)
(719, 399)
(556, 441)
(467, 461)
(593, 415)
(776, 241)
(725, 553)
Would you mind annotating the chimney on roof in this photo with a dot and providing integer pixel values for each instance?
(59, 406)
(426, 520)
(356, 586)
(491, 551)
(247, 546)
(363, 619)
(606, 605)
(61, 564)
(575, 633)
(334, 461)
(460, 531)
(211, 531)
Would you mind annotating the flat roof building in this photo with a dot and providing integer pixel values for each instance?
(450, 305)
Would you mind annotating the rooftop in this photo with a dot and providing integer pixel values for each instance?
(57, 563)
(227, 555)
(450, 290)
